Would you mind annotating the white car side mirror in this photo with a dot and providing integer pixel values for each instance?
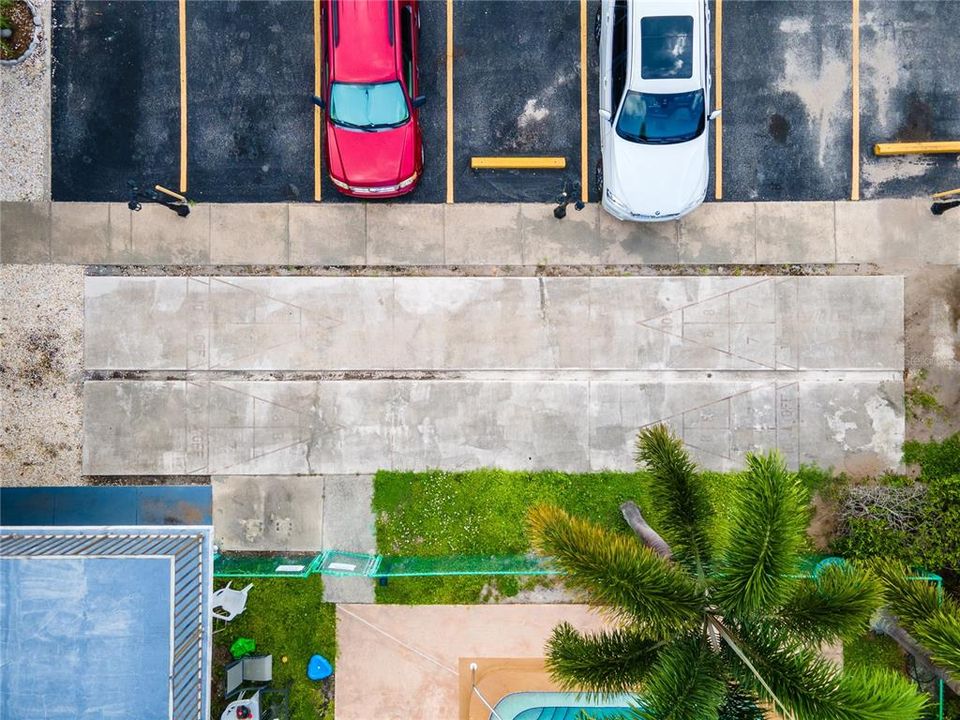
(716, 113)
(605, 114)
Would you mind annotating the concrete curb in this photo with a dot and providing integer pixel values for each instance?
(878, 231)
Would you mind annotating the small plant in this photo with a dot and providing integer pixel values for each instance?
(5, 7)
(921, 403)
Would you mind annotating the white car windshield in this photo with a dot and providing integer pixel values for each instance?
(657, 118)
(368, 106)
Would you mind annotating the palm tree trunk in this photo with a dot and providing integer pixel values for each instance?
(648, 536)
(888, 625)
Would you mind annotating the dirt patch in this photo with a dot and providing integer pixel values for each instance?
(932, 352)
(138, 480)
(552, 270)
(43, 363)
(823, 525)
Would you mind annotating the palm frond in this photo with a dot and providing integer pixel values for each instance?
(941, 636)
(615, 572)
(812, 688)
(766, 535)
(912, 601)
(687, 683)
(605, 662)
(879, 694)
(837, 604)
(677, 496)
(931, 618)
(740, 705)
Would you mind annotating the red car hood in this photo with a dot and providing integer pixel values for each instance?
(372, 158)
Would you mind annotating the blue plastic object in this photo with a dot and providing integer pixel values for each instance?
(319, 668)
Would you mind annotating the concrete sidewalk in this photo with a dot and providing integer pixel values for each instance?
(470, 323)
(305, 514)
(521, 373)
(877, 231)
(359, 426)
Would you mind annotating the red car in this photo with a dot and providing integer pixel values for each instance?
(373, 145)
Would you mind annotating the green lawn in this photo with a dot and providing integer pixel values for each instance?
(482, 512)
(873, 650)
(286, 617)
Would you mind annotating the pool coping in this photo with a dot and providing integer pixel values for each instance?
(498, 677)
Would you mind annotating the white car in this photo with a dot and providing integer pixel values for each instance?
(654, 107)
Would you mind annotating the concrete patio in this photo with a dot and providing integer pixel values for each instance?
(393, 663)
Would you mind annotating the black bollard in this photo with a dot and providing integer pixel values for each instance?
(939, 207)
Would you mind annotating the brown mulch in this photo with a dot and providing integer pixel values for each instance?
(19, 18)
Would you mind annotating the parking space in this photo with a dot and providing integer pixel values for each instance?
(786, 71)
(787, 99)
(910, 92)
(433, 115)
(115, 97)
(250, 121)
(517, 92)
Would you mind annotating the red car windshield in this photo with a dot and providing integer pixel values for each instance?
(368, 106)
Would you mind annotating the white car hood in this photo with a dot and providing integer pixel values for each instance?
(658, 180)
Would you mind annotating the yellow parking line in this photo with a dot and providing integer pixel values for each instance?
(584, 191)
(449, 101)
(317, 112)
(182, 13)
(855, 91)
(718, 103)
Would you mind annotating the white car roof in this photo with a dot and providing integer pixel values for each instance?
(659, 8)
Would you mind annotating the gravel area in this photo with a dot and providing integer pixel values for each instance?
(25, 119)
(41, 374)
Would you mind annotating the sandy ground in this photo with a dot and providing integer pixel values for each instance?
(41, 374)
(25, 119)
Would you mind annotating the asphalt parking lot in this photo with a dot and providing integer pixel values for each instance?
(787, 100)
(786, 70)
(250, 119)
(115, 102)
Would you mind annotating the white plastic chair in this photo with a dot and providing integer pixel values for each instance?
(231, 602)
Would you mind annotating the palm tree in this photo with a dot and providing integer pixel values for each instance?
(922, 619)
(712, 619)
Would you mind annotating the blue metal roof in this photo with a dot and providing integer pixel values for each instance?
(105, 622)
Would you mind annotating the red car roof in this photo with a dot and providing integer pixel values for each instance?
(364, 52)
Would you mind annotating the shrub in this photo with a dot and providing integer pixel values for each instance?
(937, 460)
(919, 527)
